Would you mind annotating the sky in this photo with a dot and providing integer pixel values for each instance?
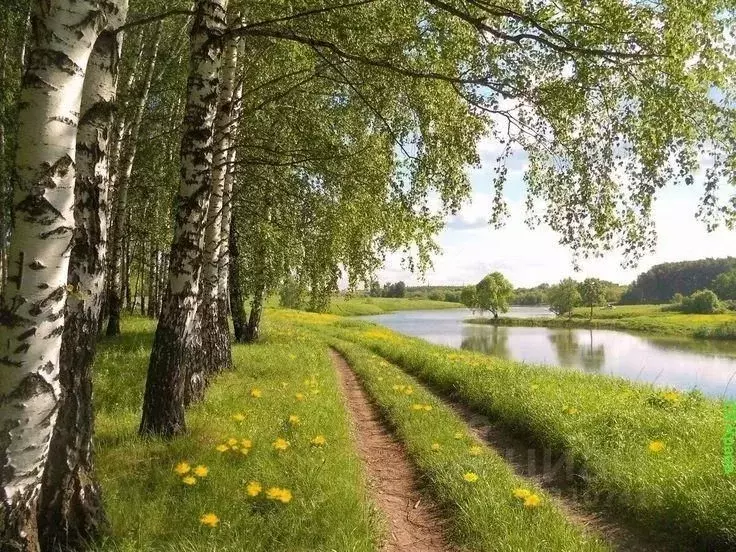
(471, 248)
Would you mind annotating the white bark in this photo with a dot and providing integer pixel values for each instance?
(63, 35)
(175, 341)
(227, 194)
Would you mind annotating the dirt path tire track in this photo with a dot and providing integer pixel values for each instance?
(414, 523)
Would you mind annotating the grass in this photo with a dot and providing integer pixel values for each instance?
(484, 515)
(639, 318)
(151, 509)
(608, 431)
(359, 306)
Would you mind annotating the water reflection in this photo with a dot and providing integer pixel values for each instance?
(494, 342)
(668, 361)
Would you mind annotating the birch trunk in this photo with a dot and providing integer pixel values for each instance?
(61, 41)
(124, 172)
(176, 340)
(215, 348)
(235, 285)
(70, 511)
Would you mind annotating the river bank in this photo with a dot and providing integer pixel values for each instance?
(637, 318)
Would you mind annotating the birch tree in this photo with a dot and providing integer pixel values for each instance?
(62, 39)
(214, 342)
(71, 511)
(176, 341)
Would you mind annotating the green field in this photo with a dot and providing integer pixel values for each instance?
(639, 318)
(643, 457)
(358, 306)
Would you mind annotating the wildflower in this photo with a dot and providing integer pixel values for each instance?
(189, 480)
(246, 443)
(221, 448)
(253, 488)
(294, 420)
(232, 441)
(458, 435)
(210, 520)
(475, 450)
(435, 447)
(276, 493)
(408, 391)
(244, 451)
(238, 417)
(281, 444)
(299, 396)
(417, 406)
(671, 396)
(182, 468)
(532, 501)
(319, 440)
(522, 493)
(256, 393)
(427, 407)
(201, 471)
(656, 446)
(470, 477)
(234, 447)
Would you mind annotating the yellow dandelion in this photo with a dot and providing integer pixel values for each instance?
(232, 441)
(294, 420)
(244, 451)
(319, 440)
(281, 444)
(458, 435)
(210, 520)
(532, 501)
(408, 391)
(238, 417)
(475, 450)
(435, 447)
(427, 407)
(253, 488)
(417, 406)
(256, 393)
(222, 448)
(299, 396)
(656, 446)
(522, 493)
(182, 468)
(470, 477)
(276, 493)
(201, 471)
(189, 480)
(246, 443)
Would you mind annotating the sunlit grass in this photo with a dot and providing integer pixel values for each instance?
(151, 508)
(470, 481)
(358, 306)
(606, 424)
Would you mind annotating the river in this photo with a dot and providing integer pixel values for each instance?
(682, 363)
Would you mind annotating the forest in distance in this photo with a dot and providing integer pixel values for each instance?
(172, 169)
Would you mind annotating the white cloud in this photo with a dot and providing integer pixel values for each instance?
(471, 248)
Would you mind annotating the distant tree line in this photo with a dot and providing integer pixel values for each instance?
(397, 289)
(661, 282)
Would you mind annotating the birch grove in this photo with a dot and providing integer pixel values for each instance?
(199, 161)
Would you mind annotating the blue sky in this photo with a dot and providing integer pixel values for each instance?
(471, 248)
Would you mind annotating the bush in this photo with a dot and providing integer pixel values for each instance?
(701, 302)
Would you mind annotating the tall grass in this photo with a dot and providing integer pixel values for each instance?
(484, 514)
(605, 424)
(151, 509)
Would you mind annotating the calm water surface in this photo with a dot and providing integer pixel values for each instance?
(685, 364)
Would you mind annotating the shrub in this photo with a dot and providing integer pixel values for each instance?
(701, 302)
